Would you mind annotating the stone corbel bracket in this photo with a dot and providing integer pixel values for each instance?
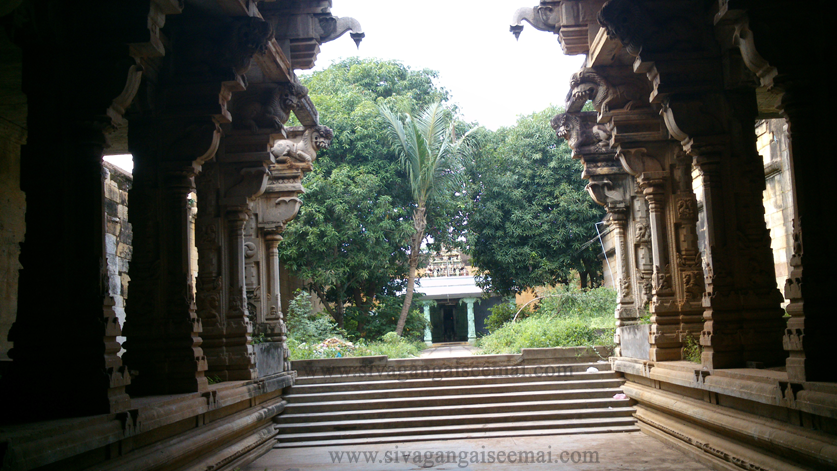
(568, 19)
(268, 106)
(275, 213)
(637, 162)
(250, 184)
(301, 29)
(300, 148)
(338, 26)
(543, 17)
(582, 133)
(603, 192)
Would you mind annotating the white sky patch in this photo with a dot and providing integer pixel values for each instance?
(492, 77)
(123, 161)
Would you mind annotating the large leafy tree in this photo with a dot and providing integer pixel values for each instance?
(529, 217)
(348, 242)
(429, 151)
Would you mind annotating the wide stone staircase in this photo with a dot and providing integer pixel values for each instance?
(376, 400)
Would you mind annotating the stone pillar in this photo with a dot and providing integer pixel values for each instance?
(626, 311)
(241, 361)
(741, 305)
(274, 313)
(162, 329)
(665, 319)
(68, 325)
(808, 337)
(689, 280)
(472, 331)
(65, 327)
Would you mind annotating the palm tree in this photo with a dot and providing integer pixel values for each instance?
(429, 151)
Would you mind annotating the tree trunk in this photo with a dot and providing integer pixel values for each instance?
(419, 222)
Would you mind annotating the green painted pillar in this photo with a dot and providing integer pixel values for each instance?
(428, 336)
(472, 331)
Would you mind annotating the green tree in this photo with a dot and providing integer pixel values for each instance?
(528, 215)
(348, 241)
(428, 151)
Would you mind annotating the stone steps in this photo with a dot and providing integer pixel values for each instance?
(498, 372)
(343, 425)
(518, 429)
(447, 382)
(427, 392)
(386, 402)
(488, 408)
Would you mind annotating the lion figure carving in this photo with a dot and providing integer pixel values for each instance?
(270, 108)
(304, 150)
(587, 84)
(578, 133)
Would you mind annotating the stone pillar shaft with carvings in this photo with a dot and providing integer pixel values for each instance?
(162, 329)
(665, 319)
(240, 358)
(808, 337)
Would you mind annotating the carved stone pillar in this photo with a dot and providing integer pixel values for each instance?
(613, 197)
(808, 337)
(162, 329)
(713, 118)
(689, 279)
(610, 187)
(241, 360)
(665, 319)
(274, 308)
(65, 328)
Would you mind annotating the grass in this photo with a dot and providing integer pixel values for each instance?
(568, 318)
(390, 345)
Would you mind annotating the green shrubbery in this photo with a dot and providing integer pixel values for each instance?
(317, 336)
(566, 317)
(504, 312)
(372, 325)
(304, 327)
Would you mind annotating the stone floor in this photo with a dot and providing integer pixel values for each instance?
(448, 350)
(616, 451)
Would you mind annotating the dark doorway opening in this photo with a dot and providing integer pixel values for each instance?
(449, 323)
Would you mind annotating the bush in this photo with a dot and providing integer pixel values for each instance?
(692, 350)
(308, 328)
(566, 317)
(504, 312)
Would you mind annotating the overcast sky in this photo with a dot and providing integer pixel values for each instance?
(492, 77)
